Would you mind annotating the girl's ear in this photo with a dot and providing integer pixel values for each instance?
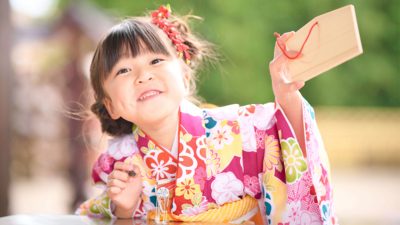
(110, 110)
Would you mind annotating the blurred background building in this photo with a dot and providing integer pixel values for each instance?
(48, 142)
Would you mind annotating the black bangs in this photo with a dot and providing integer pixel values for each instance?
(131, 37)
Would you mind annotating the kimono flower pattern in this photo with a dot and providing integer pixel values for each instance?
(221, 136)
(199, 206)
(226, 188)
(200, 176)
(252, 185)
(213, 163)
(122, 147)
(162, 167)
(294, 161)
(272, 153)
(224, 156)
(188, 188)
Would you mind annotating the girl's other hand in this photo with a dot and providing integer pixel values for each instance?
(283, 90)
(124, 190)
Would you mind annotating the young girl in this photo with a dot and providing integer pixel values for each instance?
(170, 160)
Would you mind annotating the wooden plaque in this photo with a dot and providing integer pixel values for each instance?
(334, 40)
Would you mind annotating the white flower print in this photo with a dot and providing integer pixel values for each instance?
(264, 116)
(122, 147)
(160, 168)
(248, 134)
(226, 188)
(222, 135)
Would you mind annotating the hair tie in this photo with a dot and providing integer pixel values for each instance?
(160, 18)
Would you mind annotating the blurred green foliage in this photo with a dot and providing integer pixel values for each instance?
(243, 33)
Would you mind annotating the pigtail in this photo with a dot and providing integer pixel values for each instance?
(112, 127)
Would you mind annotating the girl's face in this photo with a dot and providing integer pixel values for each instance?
(146, 89)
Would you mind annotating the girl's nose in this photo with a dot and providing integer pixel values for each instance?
(144, 78)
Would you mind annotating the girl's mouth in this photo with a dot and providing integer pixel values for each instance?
(148, 94)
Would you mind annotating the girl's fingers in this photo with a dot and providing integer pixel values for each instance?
(116, 183)
(119, 175)
(124, 172)
(123, 166)
(286, 36)
(299, 84)
(277, 67)
(136, 169)
(134, 174)
(281, 41)
(114, 191)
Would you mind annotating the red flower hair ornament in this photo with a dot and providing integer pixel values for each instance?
(160, 18)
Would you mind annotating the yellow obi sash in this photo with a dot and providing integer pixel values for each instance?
(241, 210)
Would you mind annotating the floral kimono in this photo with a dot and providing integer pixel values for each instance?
(228, 164)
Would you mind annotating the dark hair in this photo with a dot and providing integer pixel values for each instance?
(133, 36)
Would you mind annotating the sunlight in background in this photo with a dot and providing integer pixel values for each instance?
(34, 8)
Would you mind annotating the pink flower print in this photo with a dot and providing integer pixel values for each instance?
(105, 164)
(247, 110)
(200, 177)
(260, 137)
(251, 185)
(235, 126)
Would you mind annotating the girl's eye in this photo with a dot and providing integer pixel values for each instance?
(123, 70)
(155, 61)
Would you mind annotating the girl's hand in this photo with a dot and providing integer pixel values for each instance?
(284, 90)
(124, 190)
(287, 93)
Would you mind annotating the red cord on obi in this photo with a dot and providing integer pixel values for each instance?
(283, 48)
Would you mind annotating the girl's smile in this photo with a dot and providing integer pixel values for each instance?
(149, 94)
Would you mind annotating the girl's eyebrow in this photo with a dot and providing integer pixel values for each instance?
(117, 66)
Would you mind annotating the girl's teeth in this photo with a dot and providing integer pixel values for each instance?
(148, 94)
